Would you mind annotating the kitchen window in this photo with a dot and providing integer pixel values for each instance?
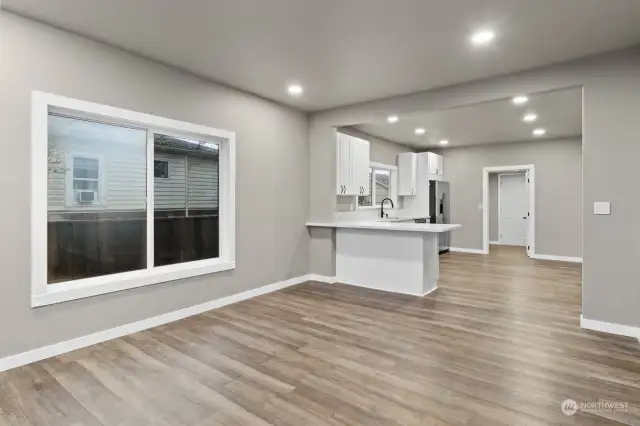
(383, 181)
(123, 199)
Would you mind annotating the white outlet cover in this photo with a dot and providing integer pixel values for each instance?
(602, 207)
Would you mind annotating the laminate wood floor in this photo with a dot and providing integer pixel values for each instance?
(499, 343)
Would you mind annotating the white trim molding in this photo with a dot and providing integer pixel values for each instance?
(469, 250)
(529, 169)
(609, 327)
(45, 352)
(557, 258)
(43, 293)
(495, 243)
(322, 278)
(354, 284)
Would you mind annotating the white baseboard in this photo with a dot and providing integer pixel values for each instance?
(321, 278)
(609, 327)
(467, 250)
(430, 291)
(557, 258)
(384, 289)
(45, 352)
(495, 243)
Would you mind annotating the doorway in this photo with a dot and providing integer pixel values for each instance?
(519, 202)
(513, 209)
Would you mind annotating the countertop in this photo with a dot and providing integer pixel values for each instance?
(387, 226)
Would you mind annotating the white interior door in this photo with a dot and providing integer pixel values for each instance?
(514, 209)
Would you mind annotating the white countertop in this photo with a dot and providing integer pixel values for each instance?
(393, 218)
(387, 226)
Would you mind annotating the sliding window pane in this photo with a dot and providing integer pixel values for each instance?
(186, 193)
(382, 179)
(96, 199)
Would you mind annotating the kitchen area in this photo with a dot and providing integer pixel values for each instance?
(392, 220)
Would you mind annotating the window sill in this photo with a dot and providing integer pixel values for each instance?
(78, 289)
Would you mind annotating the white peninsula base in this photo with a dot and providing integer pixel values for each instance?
(396, 257)
(401, 262)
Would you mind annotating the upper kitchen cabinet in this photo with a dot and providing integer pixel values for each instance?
(413, 168)
(407, 173)
(436, 166)
(352, 165)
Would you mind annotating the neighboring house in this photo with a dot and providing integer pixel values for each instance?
(95, 167)
(382, 191)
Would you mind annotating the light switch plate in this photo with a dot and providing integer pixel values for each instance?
(601, 207)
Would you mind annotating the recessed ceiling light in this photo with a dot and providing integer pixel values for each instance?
(539, 132)
(295, 90)
(483, 37)
(444, 142)
(392, 119)
(519, 100)
(530, 118)
(420, 131)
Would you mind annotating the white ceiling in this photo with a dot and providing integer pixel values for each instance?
(559, 112)
(346, 51)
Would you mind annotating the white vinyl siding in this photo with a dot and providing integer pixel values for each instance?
(124, 173)
(203, 183)
(169, 193)
(382, 192)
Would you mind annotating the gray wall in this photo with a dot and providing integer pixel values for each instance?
(611, 85)
(558, 166)
(493, 207)
(272, 153)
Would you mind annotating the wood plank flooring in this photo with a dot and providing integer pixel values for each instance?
(499, 343)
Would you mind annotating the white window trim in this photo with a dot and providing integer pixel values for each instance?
(393, 190)
(46, 294)
(68, 181)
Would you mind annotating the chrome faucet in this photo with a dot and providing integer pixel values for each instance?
(382, 207)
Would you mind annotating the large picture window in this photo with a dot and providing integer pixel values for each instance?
(123, 199)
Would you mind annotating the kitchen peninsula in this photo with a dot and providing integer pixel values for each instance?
(400, 257)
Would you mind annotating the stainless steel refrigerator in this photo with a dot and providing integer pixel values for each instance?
(439, 197)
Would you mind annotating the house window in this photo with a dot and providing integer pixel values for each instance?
(382, 184)
(161, 169)
(112, 217)
(85, 180)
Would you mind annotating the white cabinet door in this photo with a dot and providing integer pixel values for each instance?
(436, 166)
(360, 166)
(407, 169)
(352, 166)
(343, 165)
(433, 163)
